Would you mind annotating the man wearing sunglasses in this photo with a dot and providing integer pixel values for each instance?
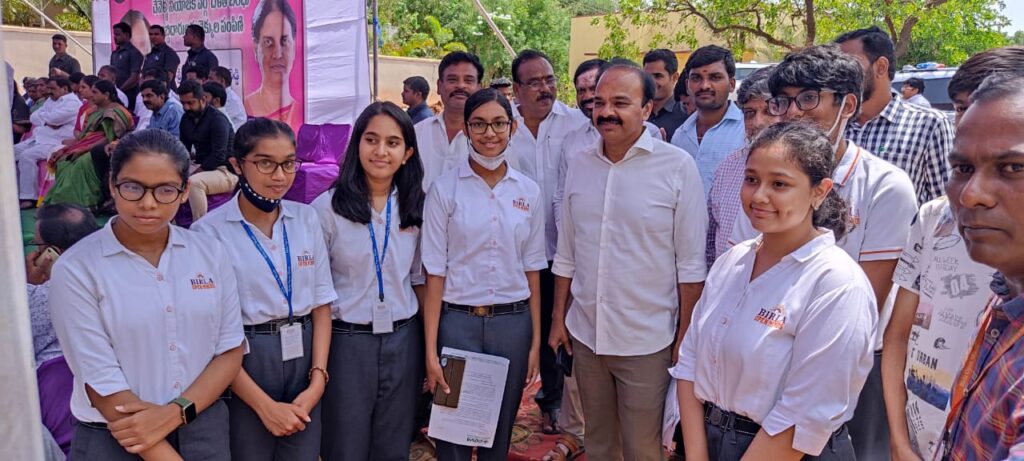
(822, 85)
(207, 134)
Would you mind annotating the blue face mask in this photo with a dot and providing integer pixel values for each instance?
(262, 203)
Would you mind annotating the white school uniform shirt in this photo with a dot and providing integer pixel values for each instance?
(261, 297)
(61, 114)
(538, 157)
(437, 154)
(483, 240)
(631, 232)
(353, 268)
(125, 325)
(882, 204)
(792, 347)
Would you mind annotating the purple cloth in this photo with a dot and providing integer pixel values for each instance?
(322, 149)
(311, 180)
(184, 216)
(55, 384)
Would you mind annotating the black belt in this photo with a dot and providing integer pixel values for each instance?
(273, 327)
(492, 310)
(727, 420)
(342, 326)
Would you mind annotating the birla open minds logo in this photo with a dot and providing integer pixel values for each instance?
(200, 282)
(521, 204)
(306, 259)
(774, 317)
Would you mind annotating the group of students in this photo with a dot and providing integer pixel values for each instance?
(222, 341)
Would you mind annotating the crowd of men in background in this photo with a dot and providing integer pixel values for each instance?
(897, 160)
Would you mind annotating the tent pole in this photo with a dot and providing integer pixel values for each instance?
(57, 26)
(376, 50)
(501, 37)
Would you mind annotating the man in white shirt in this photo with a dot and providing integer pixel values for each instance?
(716, 129)
(440, 139)
(823, 85)
(911, 92)
(233, 107)
(537, 148)
(631, 248)
(109, 73)
(51, 125)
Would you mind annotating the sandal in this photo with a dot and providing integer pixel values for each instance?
(27, 204)
(549, 425)
(567, 448)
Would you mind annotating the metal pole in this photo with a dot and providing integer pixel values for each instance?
(19, 402)
(501, 37)
(57, 26)
(376, 50)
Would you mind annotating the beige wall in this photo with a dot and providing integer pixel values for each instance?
(28, 50)
(585, 39)
(394, 70)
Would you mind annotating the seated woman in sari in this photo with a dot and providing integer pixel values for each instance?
(76, 180)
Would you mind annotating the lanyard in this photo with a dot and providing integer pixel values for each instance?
(963, 386)
(287, 292)
(379, 258)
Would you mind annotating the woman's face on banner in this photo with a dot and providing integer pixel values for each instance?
(275, 50)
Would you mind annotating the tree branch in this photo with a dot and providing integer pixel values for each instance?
(688, 9)
(810, 23)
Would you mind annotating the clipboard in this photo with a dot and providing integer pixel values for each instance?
(454, 368)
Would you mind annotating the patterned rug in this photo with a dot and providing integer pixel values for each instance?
(528, 442)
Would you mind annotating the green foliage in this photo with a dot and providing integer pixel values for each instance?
(1017, 38)
(73, 15)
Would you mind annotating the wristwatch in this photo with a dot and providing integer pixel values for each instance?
(188, 409)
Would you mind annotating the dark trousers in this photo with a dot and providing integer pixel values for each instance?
(283, 382)
(101, 163)
(730, 445)
(549, 397)
(369, 403)
(205, 439)
(506, 336)
(869, 427)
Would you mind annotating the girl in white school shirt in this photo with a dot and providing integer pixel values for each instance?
(483, 245)
(277, 250)
(148, 317)
(371, 219)
(781, 341)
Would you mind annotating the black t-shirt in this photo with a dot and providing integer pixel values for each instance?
(127, 60)
(211, 134)
(201, 57)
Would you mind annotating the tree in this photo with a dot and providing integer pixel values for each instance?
(789, 25)
(72, 15)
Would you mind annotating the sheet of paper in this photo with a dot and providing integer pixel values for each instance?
(474, 422)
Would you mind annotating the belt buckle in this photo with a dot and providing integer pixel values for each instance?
(481, 311)
(715, 418)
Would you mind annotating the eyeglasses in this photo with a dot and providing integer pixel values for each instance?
(806, 100)
(164, 193)
(499, 126)
(540, 84)
(266, 166)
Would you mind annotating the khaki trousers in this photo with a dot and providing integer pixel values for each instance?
(205, 183)
(624, 403)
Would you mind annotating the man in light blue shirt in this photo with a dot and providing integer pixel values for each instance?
(716, 130)
(167, 112)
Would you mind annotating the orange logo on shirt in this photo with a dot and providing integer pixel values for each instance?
(772, 318)
(853, 220)
(306, 259)
(521, 204)
(200, 282)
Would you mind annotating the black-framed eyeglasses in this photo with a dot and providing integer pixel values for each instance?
(267, 166)
(542, 83)
(499, 126)
(164, 193)
(806, 100)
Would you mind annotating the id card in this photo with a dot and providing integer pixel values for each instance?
(382, 322)
(291, 341)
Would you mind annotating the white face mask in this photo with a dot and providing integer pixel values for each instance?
(840, 124)
(490, 163)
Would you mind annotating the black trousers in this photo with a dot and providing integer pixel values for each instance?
(101, 163)
(549, 397)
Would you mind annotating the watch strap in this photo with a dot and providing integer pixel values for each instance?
(188, 409)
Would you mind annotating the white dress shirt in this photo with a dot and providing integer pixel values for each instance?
(437, 154)
(792, 347)
(142, 113)
(55, 121)
(261, 297)
(539, 157)
(882, 203)
(234, 109)
(483, 240)
(353, 268)
(126, 325)
(631, 232)
(123, 97)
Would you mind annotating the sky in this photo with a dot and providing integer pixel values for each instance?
(1015, 11)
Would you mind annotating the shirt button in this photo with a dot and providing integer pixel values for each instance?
(494, 218)
(169, 308)
(173, 347)
(159, 277)
(494, 243)
(177, 385)
(273, 247)
(492, 196)
(493, 268)
(490, 291)
(725, 321)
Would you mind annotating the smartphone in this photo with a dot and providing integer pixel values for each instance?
(453, 367)
(47, 256)
(564, 361)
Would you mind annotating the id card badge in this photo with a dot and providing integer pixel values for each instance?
(291, 341)
(382, 322)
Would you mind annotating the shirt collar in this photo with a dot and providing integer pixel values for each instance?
(234, 213)
(732, 113)
(1014, 309)
(558, 109)
(109, 245)
(848, 164)
(892, 110)
(645, 144)
(669, 107)
(465, 171)
(808, 250)
(163, 109)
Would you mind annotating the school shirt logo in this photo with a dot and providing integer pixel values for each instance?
(306, 259)
(774, 317)
(521, 204)
(200, 282)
